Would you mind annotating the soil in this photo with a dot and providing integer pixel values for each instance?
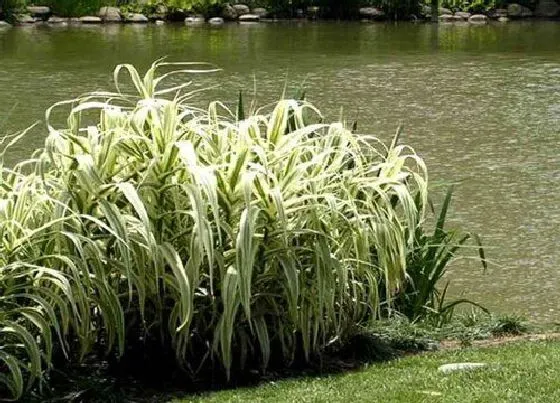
(498, 341)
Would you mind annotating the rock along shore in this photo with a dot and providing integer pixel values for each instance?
(243, 14)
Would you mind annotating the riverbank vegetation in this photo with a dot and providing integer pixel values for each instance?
(207, 244)
(349, 9)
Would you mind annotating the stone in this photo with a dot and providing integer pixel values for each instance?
(4, 24)
(24, 19)
(160, 22)
(241, 9)
(229, 13)
(162, 9)
(371, 12)
(461, 366)
(136, 18)
(38, 11)
(443, 10)
(447, 18)
(88, 19)
(526, 12)
(57, 20)
(501, 12)
(457, 18)
(249, 18)
(261, 12)
(463, 15)
(74, 20)
(478, 19)
(313, 10)
(425, 10)
(216, 21)
(195, 20)
(547, 8)
(503, 19)
(516, 10)
(110, 14)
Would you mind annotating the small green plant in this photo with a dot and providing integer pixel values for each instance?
(427, 263)
(404, 334)
(8, 8)
(188, 5)
(73, 8)
(508, 325)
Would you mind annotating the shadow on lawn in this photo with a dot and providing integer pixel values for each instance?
(137, 380)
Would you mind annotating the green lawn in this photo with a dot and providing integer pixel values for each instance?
(518, 372)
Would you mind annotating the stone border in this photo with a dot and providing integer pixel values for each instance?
(243, 14)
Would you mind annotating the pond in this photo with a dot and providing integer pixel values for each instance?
(480, 103)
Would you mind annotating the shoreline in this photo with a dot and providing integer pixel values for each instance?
(84, 21)
(242, 14)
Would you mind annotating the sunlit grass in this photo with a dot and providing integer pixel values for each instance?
(519, 372)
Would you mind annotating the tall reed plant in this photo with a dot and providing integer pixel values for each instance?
(227, 238)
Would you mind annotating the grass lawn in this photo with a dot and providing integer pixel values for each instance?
(518, 372)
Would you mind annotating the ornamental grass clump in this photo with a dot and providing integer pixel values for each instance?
(225, 238)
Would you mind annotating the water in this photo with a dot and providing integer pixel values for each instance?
(480, 103)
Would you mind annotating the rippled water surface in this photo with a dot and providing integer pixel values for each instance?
(480, 103)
